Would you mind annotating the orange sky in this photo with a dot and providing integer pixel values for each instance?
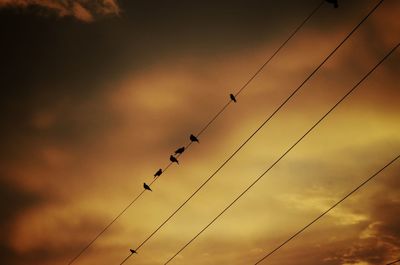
(80, 160)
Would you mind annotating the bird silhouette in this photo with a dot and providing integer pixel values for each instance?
(232, 97)
(334, 2)
(146, 187)
(180, 150)
(158, 173)
(193, 138)
(133, 251)
(173, 159)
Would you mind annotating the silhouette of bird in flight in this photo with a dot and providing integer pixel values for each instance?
(232, 97)
(133, 251)
(146, 187)
(193, 138)
(180, 150)
(158, 173)
(173, 159)
(334, 2)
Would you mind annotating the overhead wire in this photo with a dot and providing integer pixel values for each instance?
(198, 134)
(394, 262)
(283, 155)
(246, 84)
(256, 131)
(327, 211)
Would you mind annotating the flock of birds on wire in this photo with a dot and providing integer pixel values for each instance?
(179, 151)
(173, 158)
(193, 138)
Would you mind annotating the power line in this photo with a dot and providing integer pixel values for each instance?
(283, 155)
(327, 211)
(115, 219)
(264, 64)
(253, 134)
(106, 228)
(200, 132)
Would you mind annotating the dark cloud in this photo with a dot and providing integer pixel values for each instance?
(73, 62)
(379, 239)
(64, 132)
(81, 10)
(14, 201)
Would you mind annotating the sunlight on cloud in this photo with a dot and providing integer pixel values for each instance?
(82, 10)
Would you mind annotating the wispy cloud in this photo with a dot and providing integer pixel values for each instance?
(82, 10)
(77, 151)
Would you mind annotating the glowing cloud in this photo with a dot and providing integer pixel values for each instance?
(82, 10)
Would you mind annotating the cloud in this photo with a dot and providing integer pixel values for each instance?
(82, 10)
(86, 139)
(13, 202)
(21, 200)
(377, 242)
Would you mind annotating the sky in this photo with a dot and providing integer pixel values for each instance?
(96, 94)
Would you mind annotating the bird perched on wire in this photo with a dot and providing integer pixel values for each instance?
(232, 97)
(146, 187)
(334, 2)
(180, 150)
(173, 159)
(193, 138)
(158, 173)
(133, 251)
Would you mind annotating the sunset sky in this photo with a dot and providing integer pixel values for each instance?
(96, 94)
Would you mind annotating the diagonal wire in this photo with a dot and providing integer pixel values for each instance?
(113, 220)
(394, 262)
(327, 211)
(255, 132)
(263, 65)
(199, 133)
(283, 155)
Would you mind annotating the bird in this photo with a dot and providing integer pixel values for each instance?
(334, 2)
(133, 251)
(180, 150)
(193, 138)
(173, 159)
(232, 97)
(158, 173)
(146, 187)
